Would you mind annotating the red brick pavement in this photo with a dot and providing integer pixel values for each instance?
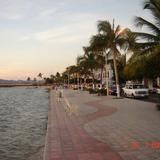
(67, 140)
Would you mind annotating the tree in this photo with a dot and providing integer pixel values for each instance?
(40, 75)
(72, 71)
(52, 77)
(143, 66)
(101, 64)
(121, 63)
(28, 79)
(145, 61)
(109, 40)
(58, 77)
(149, 43)
(89, 63)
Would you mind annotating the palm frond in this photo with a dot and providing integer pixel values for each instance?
(140, 22)
(147, 47)
(98, 42)
(146, 36)
(117, 30)
(104, 26)
(154, 7)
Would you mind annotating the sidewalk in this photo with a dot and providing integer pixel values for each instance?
(66, 137)
(102, 128)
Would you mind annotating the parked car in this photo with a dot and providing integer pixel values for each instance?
(112, 90)
(135, 91)
(153, 90)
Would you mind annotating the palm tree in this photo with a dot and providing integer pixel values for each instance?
(40, 75)
(150, 46)
(152, 39)
(73, 72)
(89, 63)
(101, 64)
(28, 79)
(109, 39)
(58, 77)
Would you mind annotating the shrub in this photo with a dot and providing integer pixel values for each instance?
(85, 89)
(102, 92)
(92, 91)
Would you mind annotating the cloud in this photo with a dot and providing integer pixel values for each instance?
(75, 28)
(14, 10)
(48, 12)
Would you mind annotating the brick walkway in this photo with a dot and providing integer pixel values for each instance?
(66, 138)
(133, 131)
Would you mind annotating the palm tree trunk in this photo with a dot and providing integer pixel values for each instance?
(101, 75)
(116, 73)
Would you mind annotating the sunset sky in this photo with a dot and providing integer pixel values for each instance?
(46, 35)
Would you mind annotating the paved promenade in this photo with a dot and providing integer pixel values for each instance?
(88, 127)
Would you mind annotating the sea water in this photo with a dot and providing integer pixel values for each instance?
(23, 121)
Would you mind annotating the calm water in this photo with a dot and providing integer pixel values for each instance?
(23, 120)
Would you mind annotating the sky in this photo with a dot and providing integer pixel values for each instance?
(47, 35)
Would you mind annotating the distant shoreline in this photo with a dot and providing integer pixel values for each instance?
(15, 85)
(19, 85)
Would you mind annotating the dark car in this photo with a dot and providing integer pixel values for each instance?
(112, 90)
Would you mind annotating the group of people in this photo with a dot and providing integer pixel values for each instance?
(59, 90)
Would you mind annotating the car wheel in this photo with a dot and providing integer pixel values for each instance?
(133, 96)
(125, 95)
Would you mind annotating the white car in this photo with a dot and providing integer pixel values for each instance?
(135, 91)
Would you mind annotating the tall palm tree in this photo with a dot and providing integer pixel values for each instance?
(151, 41)
(149, 44)
(109, 39)
(145, 61)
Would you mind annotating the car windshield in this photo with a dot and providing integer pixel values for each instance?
(138, 86)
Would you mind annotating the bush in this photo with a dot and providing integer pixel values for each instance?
(92, 91)
(85, 89)
(102, 92)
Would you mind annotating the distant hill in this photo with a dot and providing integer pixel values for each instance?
(3, 81)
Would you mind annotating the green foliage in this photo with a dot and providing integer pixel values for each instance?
(48, 81)
(93, 91)
(146, 62)
(147, 66)
(102, 92)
